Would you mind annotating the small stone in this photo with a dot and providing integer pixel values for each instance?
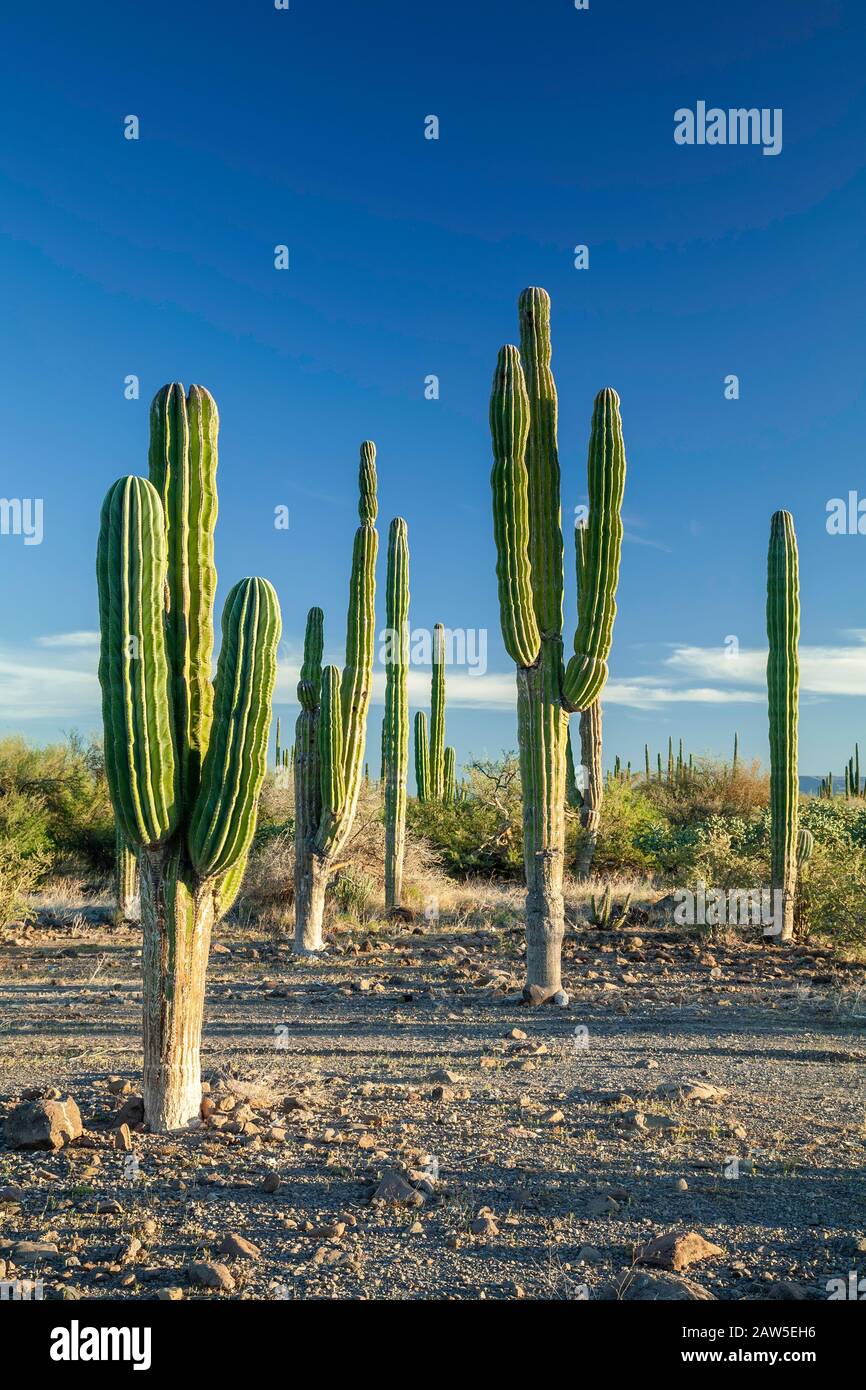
(682, 1185)
(30, 1252)
(210, 1274)
(396, 1191)
(238, 1247)
(271, 1183)
(123, 1139)
(171, 1295)
(484, 1225)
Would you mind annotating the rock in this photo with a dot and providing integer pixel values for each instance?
(603, 1205)
(118, 1087)
(444, 1077)
(681, 1185)
(172, 1295)
(560, 998)
(396, 1191)
(44, 1124)
(516, 1035)
(589, 1255)
(123, 1139)
(690, 1091)
(637, 1286)
(553, 1117)
(484, 1225)
(30, 1252)
(210, 1274)
(130, 1113)
(786, 1291)
(271, 1183)
(238, 1247)
(677, 1250)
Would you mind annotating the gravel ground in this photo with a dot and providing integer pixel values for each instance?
(531, 1153)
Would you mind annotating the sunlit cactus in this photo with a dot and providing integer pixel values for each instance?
(332, 726)
(528, 533)
(126, 895)
(395, 734)
(783, 687)
(185, 754)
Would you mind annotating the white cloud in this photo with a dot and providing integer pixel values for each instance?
(831, 670)
(69, 639)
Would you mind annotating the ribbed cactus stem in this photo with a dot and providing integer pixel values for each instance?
(127, 902)
(437, 715)
(593, 792)
(646, 758)
(450, 789)
(736, 751)
(185, 755)
(332, 726)
(278, 751)
(783, 680)
(395, 735)
(422, 758)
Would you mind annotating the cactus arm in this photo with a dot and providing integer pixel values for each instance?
(783, 683)
(183, 466)
(542, 462)
(587, 670)
(223, 820)
(357, 679)
(395, 727)
(331, 757)
(509, 429)
(140, 760)
(449, 791)
(422, 757)
(228, 887)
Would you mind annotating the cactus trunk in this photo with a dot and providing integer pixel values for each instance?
(783, 683)
(396, 729)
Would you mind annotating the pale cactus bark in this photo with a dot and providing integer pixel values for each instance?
(311, 882)
(177, 918)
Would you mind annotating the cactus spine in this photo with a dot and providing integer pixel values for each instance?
(331, 727)
(125, 881)
(528, 533)
(396, 728)
(783, 682)
(185, 755)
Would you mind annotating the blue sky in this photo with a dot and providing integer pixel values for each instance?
(305, 127)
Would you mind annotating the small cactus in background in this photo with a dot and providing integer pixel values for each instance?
(278, 752)
(395, 735)
(332, 724)
(450, 788)
(430, 771)
(783, 685)
(527, 529)
(128, 906)
(604, 915)
(736, 752)
(646, 757)
(422, 758)
(185, 755)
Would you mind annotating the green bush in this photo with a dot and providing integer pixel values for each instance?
(629, 827)
(24, 853)
(67, 789)
(831, 896)
(482, 832)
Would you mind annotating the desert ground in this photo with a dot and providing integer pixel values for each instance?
(388, 1121)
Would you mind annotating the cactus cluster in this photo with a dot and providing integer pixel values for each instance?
(434, 762)
(331, 726)
(185, 754)
(783, 687)
(527, 529)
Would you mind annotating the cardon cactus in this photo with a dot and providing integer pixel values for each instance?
(422, 757)
(528, 533)
(783, 688)
(396, 727)
(430, 757)
(128, 906)
(592, 788)
(332, 726)
(185, 754)
(449, 792)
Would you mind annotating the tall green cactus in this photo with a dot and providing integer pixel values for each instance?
(185, 754)
(430, 757)
(396, 727)
(422, 758)
(783, 689)
(332, 726)
(528, 532)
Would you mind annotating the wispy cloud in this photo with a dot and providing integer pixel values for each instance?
(69, 639)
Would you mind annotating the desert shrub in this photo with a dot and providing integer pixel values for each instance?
(66, 782)
(831, 897)
(710, 788)
(354, 894)
(482, 832)
(24, 853)
(629, 820)
(838, 822)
